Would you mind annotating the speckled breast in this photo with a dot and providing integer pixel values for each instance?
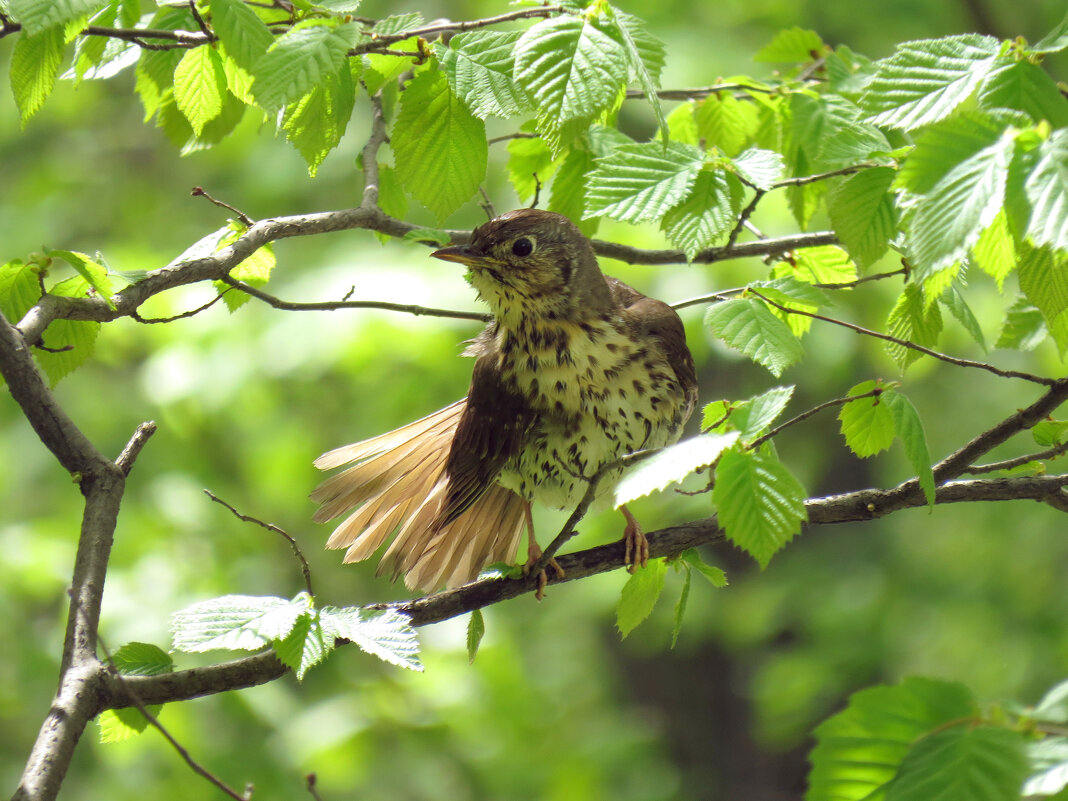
(599, 396)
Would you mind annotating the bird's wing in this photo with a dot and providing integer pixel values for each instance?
(493, 428)
(654, 319)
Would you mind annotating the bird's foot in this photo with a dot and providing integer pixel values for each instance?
(533, 555)
(637, 546)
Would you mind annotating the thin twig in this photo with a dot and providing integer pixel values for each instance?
(744, 217)
(244, 218)
(153, 320)
(40, 345)
(200, 20)
(814, 410)
(134, 446)
(430, 31)
(333, 305)
(509, 137)
(305, 569)
(312, 780)
(1035, 379)
(1009, 464)
(371, 174)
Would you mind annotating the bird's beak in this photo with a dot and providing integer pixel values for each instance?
(461, 254)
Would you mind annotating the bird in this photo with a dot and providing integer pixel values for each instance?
(574, 371)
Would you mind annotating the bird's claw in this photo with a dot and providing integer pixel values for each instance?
(636, 553)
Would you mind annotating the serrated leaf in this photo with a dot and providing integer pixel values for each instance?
(1054, 704)
(440, 146)
(1044, 280)
(707, 216)
(398, 23)
(725, 122)
(1047, 189)
(568, 194)
(142, 659)
(962, 763)
(747, 325)
(792, 44)
(387, 634)
(645, 56)
(759, 503)
(154, 77)
(200, 86)
(529, 164)
(682, 124)
(849, 144)
(909, 429)
(761, 168)
(96, 274)
(478, 66)
(868, 424)
(117, 725)
(476, 630)
(244, 34)
(788, 287)
(36, 16)
(680, 607)
(753, 417)
(384, 70)
(571, 68)
(1049, 433)
(301, 59)
(80, 335)
(1024, 327)
(1054, 41)
(924, 81)
(942, 147)
(858, 751)
(863, 214)
(827, 264)
(995, 251)
(714, 575)
(671, 464)
(640, 182)
(947, 222)
(306, 645)
(913, 321)
(953, 300)
(19, 290)
(1048, 760)
(315, 124)
(236, 622)
(640, 595)
(1023, 86)
(35, 62)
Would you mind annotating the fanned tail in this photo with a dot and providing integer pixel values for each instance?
(400, 480)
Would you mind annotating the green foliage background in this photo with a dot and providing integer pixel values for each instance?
(555, 706)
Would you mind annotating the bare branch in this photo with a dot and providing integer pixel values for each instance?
(134, 446)
(198, 191)
(1009, 464)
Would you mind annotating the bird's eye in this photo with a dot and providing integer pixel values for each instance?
(522, 247)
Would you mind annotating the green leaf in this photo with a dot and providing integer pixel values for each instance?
(827, 264)
(747, 325)
(725, 122)
(716, 577)
(398, 23)
(707, 216)
(1049, 433)
(863, 215)
(315, 123)
(200, 86)
(428, 236)
(959, 308)
(1048, 766)
(568, 195)
(572, 68)
(995, 251)
(1047, 189)
(682, 123)
(80, 335)
(761, 168)
(244, 34)
(759, 503)
(1054, 704)
(858, 751)
(19, 290)
(924, 81)
(1044, 280)
(940, 148)
(792, 44)
(849, 144)
(306, 645)
(909, 429)
(1023, 86)
(947, 222)
(868, 424)
(236, 622)
(1054, 41)
(646, 55)
(640, 182)
(478, 66)
(962, 763)
(440, 146)
(476, 630)
(117, 725)
(36, 16)
(1024, 327)
(142, 659)
(640, 595)
(754, 416)
(680, 607)
(671, 464)
(913, 321)
(301, 59)
(530, 163)
(387, 634)
(154, 77)
(95, 274)
(35, 62)
(255, 270)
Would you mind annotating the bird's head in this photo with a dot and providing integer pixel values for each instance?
(530, 261)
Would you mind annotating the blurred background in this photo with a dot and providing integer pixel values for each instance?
(556, 706)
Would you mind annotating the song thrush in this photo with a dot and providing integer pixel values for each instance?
(575, 370)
